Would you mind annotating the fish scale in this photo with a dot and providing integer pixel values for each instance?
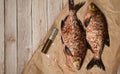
(96, 34)
(73, 37)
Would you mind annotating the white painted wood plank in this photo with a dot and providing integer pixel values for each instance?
(24, 33)
(54, 7)
(1, 36)
(10, 37)
(39, 21)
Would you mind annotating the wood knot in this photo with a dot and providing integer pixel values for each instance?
(11, 38)
(28, 49)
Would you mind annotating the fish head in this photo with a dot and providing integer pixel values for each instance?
(92, 7)
(77, 64)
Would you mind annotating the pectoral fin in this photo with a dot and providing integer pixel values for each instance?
(87, 21)
(67, 51)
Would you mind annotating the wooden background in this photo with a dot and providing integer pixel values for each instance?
(23, 24)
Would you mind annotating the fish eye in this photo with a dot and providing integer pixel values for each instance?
(92, 6)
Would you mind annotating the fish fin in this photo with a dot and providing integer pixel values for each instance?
(67, 51)
(71, 4)
(96, 61)
(80, 25)
(67, 58)
(87, 21)
(89, 47)
(79, 5)
(65, 18)
(62, 24)
(62, 40)
(107, 41)
(84, 34)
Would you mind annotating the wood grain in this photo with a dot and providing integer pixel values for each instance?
(24, 33)
(1, 36)
(54, 8)
(10, 37)
(39, 21)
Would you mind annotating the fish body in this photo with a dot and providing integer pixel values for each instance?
(72, 36)
(96, 34)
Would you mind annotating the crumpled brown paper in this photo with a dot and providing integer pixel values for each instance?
(54, 61)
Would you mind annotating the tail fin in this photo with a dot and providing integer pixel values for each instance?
(79, 5)
(71, 4)
(96, 61)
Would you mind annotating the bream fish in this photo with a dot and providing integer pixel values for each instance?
(96, 34)
(73, 37)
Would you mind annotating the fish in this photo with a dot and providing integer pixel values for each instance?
(73, 37)
(96, 27)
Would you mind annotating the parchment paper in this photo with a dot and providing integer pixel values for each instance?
(54, 61)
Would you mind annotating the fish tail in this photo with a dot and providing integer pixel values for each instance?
(75, 7)
(96, 61)
(79, 5)
(71, 4)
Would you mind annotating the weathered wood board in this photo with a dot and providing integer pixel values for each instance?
(54, 61)
(1, 36)
(10, 37)
(24, 33)
(23, 24)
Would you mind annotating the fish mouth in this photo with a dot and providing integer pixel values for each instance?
(77, 65)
